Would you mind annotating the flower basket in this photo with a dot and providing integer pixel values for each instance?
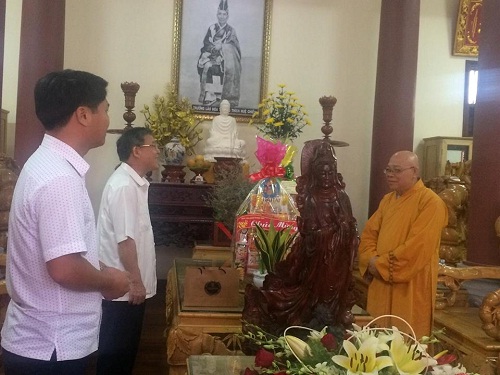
(367, 350)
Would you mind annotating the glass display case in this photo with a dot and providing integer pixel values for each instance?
(219, 365)
(195, 331)
(180, 265)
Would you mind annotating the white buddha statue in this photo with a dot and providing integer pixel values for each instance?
(223, 137)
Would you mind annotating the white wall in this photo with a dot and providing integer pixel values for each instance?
(332, 51)
(440, 76)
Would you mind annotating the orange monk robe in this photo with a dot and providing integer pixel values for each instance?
(405, 233)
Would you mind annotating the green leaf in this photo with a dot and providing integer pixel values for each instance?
(272, 244)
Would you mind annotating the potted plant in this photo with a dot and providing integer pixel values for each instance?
(228, 193)
(273, 245)
(171, 118)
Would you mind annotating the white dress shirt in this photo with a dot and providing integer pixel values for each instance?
(51, 216)
(124, 213)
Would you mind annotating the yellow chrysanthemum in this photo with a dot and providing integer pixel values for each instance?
(278, 110)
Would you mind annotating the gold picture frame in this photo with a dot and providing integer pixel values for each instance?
(468, 28)
(251, 22)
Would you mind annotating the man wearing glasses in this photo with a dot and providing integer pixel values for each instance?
(399, 249)
(126, 242)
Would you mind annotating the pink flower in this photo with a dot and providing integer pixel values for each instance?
(329, 342)
(263, 358)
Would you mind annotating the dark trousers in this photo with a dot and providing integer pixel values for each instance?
(119, 337)
(16, 365)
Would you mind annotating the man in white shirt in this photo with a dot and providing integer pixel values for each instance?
(53, 274)
(126, 242)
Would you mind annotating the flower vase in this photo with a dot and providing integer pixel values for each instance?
(289, 171)
(173, 152)
(287, 162)
(258, 278)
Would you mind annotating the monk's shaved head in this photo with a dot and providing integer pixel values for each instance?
(402, 171)
(406, 158)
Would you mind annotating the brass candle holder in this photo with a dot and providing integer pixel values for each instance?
(129, 90)
(327, 104)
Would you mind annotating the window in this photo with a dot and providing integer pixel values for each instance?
(470, 92)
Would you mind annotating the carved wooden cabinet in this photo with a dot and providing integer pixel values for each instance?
(438, 150)
(180, 213)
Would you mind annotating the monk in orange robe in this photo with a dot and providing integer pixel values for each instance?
(399, 249)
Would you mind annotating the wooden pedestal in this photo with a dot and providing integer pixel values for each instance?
(197, 332)
(203, 332)
(173, 173)
(464, 337)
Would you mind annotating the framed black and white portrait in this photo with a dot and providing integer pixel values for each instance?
(221, 51)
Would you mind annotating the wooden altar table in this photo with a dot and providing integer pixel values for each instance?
(180, 213)
(195, 332)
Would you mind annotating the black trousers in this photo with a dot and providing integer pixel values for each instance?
(17, 365)
(119, 337)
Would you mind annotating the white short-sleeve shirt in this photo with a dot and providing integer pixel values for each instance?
(124, 213)
(51, 216)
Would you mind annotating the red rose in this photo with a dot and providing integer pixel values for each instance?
(250, 372)
(263, 358)
(329, 342)
(446, 359)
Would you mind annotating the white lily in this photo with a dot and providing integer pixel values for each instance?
(363, 360)
(299, 347)
(315, 335)
(364, 333)
(409, 359)
(324, 369)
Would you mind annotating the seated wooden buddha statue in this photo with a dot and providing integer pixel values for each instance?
(313, 286)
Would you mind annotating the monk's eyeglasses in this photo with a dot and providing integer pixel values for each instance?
(395, 171)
